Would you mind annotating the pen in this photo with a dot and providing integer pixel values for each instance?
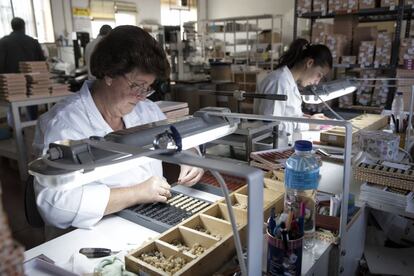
(271, 223)
(302, 219)
(284, 235)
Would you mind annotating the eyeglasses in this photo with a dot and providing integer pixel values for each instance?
(139, 89)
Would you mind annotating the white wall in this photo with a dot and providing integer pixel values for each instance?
(148, 10)
(231, 8)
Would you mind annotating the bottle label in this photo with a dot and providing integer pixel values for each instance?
(301, 180)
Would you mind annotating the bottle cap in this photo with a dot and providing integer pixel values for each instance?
(303, 145)
(399, 93)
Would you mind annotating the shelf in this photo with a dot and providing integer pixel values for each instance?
(365, 108)
(364, 12)
(358, 66)
(8, 148)
(237, 32)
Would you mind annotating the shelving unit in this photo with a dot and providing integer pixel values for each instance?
(239, 39)
(398, 14)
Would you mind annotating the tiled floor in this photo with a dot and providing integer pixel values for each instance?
(13, 204)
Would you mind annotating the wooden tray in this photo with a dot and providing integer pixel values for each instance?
(387, 175)
(336, 135)
(211, 229)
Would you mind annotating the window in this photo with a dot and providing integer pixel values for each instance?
(43, 18)
(36, 14)
(6, 15)
(172, 14)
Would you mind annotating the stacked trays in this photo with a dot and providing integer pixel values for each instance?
(12, 87)
(202, 244)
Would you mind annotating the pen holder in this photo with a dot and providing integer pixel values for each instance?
(281, 260)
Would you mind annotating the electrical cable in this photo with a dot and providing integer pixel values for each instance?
(236, 236)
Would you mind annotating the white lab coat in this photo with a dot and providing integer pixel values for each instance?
(280, 82)
(77, 117)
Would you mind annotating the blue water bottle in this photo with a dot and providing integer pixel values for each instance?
(301, 184)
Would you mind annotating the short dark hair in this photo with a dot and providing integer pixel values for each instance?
(126, 48)
(105, 29)
(17, 24)
(300, 49)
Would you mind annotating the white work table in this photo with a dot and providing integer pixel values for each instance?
(111, 232)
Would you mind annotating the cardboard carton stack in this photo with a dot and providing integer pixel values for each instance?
(336, 43)
(336, 6)
(33, 67)
(304, 6)
(352, 5)
(380, 94)
(366, 53)
(12, 87)
(383, 49)
(364, 92)
(320, 31)
(59, 89)
(367, 4)
(406, 54)
(320, 6)
(38, 84)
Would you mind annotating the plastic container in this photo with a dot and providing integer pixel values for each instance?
(301, 184)
(397, 109)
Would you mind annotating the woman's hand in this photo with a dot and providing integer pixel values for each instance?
(189, 175)
(154, 189)
(317, 116)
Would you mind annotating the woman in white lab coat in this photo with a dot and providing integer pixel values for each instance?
(302, 65)
(125, 62)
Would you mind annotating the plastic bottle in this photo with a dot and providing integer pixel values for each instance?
(301, 183)
(397, 109)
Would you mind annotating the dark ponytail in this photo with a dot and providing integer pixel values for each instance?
(300, 49)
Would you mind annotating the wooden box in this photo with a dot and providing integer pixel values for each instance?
(210, 229)
(336, 135)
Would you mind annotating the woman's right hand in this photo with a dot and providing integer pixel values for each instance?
(154, 189)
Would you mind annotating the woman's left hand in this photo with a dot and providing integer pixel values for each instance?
(189, 175)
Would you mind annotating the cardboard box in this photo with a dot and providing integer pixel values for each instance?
(363, 34)
(389, 3)
(304, 6)
(383, 49)
(353, 5)
(366, 53)
(320, 6)
(406, 50)
(367, 4)
(365, 89)
(336, 43)
(380, 93)
(320, 31)
(348, 60)
(345, 25)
